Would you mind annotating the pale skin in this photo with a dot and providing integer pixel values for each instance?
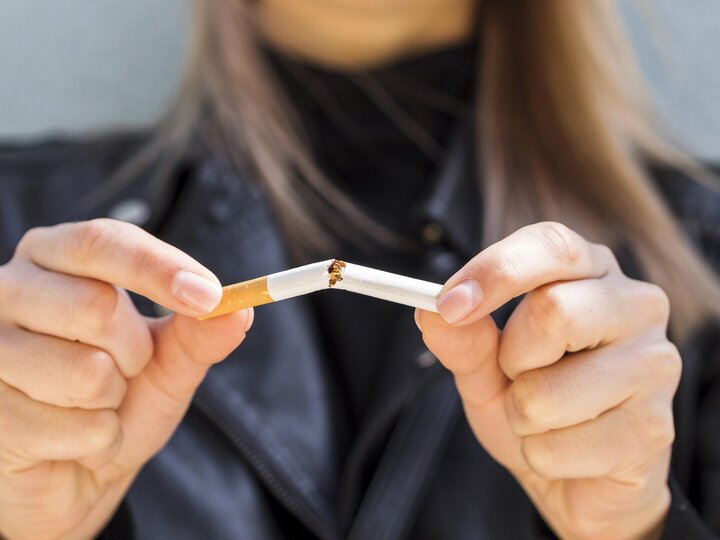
(573, 397)
(89, 389)
(351, 34)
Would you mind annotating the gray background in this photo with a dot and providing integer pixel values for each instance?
(74, 66)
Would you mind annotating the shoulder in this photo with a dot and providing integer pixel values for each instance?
(55, 171)
(47, 160)
(695, 204)
(43, 183)
(121, 176)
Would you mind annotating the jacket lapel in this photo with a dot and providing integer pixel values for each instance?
(271, 397)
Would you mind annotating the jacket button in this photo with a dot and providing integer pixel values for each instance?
(426, 359)
(135, 211)
(431, 234)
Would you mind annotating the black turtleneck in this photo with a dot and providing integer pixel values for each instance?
(381, 136)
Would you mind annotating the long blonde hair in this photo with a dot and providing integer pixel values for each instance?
(563, 128)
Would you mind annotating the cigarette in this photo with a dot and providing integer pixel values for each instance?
(330, 274)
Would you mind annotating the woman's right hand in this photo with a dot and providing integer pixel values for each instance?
(89, 389)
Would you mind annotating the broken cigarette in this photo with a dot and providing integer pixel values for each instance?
(331, 274)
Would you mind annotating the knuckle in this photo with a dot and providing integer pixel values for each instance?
(30, 237)
(95, 305)
(103, 428)
(605, 254)
(94, 376)
(145, 258)
(550, 310)
(90, 237)
(157, 259)
(561, 241)
(656, 300)
(528, 395)
(659, 427)
(673, 363)
(666, 362)
(507, 267)
(539, 455)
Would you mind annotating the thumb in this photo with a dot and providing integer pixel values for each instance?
(157, 399)
(185, 348)
(470, 353)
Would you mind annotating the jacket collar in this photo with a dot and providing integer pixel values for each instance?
(454, 202)
(271, 395)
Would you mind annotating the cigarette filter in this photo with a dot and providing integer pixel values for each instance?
(330, 274)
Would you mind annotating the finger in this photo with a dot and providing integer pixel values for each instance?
(33, 432)
(571, 316)
(185, 348)
(158, 398)
(470, 352)
(127, 256)
(76, 309)
(59, 372)
(525, 260)
(584, 385)
(612, 445)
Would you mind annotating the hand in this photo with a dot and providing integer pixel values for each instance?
(89, 389)
(574, 397)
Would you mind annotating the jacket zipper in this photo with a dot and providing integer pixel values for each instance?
(286, 496)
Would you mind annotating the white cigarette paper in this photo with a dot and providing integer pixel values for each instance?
(330, 274)
(387, 286)
(298, 281)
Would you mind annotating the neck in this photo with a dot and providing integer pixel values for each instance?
(357, 35)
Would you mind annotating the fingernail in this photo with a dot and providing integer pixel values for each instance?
(460, 301)
(250, 318)
(197, 292)
(417, 319)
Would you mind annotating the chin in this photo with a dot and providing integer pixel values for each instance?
(375, 5)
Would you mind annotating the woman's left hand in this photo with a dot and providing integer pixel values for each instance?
(574, 397)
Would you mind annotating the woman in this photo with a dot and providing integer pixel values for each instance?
(406, 135)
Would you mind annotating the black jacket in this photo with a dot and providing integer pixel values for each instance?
(250, 458)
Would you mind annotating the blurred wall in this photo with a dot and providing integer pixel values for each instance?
(82, 65)
(678, 45)
(86, 65)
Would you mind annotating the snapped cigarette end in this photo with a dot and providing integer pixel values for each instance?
(335, 271)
